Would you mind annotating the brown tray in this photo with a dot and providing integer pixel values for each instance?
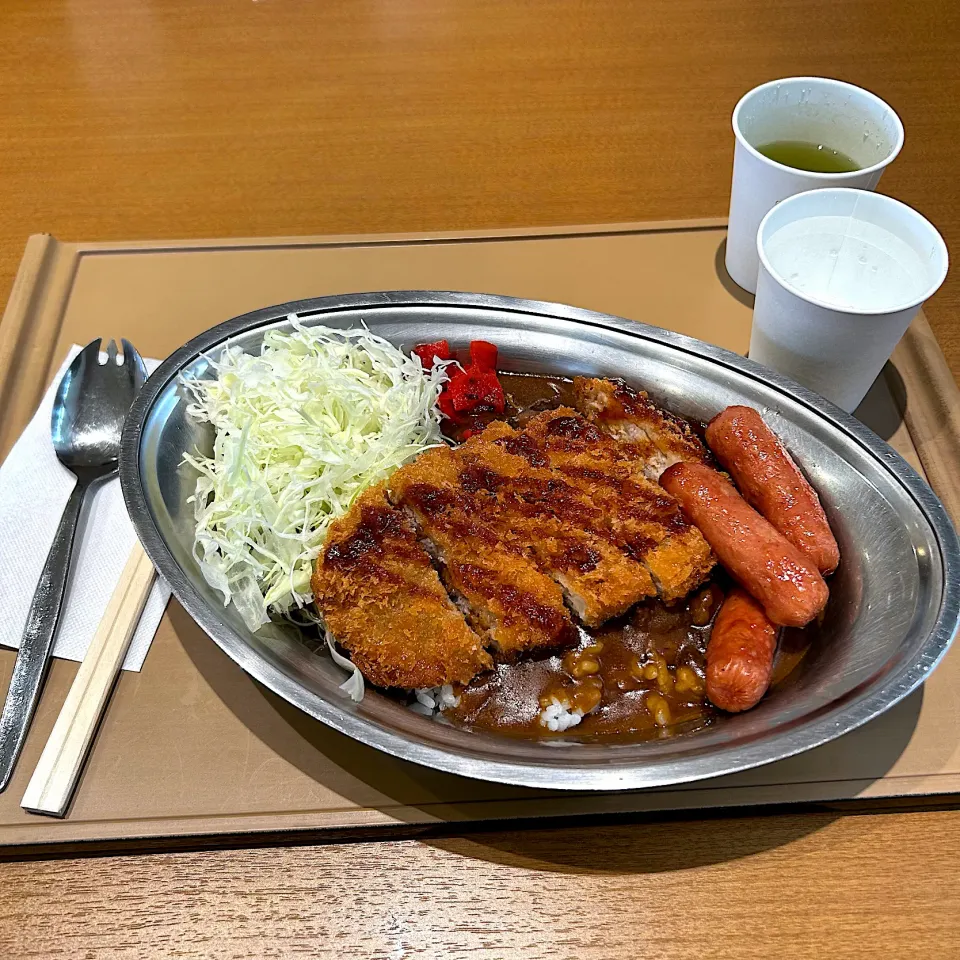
(192, 746)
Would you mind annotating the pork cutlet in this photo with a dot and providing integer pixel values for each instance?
(532, 513)
(382, 600)
(522, 525)
(504, 595)
(658, 438)
(646, 521)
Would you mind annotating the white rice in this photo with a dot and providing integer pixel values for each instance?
(431, 700)
(557, 716)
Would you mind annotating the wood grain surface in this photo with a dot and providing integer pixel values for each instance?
(129, 119)
(125, 119)
(787, 887)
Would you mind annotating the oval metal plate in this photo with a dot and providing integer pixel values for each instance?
(894, 602)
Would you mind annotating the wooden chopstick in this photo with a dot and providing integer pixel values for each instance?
(61, 762)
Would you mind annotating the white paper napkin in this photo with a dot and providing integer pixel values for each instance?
(34, 489)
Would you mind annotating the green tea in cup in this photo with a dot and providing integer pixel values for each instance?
(804, 155)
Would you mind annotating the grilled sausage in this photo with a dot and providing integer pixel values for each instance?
(772, 483)
(740, 653)
(763, 562)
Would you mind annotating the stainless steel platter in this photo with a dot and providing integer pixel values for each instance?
(894, 602)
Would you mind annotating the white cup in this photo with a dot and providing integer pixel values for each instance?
(814, 110)
(842, 274)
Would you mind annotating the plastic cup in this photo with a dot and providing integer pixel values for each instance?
(814, 110)
(842, 274)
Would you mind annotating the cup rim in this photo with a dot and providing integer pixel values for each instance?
(854, 311)
(812, 174)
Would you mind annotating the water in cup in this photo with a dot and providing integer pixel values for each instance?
(848, 263)
(843, 273)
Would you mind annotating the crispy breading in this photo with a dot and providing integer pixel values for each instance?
(644, 519)
(518, 521)
(505, 597)
(630, 416)
(382, 600)
(558, 524)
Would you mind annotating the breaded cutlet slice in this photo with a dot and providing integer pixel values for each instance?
(630, 416)
(382, 600)
(646, 521)
(504, 597)
(559, 527)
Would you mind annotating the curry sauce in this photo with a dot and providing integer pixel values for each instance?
(634, 678)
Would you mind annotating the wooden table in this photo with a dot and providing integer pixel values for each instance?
(132, 119)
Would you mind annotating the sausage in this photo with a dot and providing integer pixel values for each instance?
(740, 653)
(772, 483)
(760, 559)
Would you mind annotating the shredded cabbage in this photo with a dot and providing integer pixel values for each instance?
(301, 430)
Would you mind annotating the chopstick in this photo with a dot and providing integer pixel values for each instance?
(61, 762)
